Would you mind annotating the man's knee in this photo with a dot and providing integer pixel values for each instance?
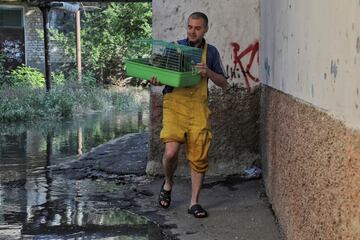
(171, 150)
(170, 154)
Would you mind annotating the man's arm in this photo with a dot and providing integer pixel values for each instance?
(218, 79)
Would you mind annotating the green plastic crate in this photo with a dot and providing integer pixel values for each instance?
(136, 68)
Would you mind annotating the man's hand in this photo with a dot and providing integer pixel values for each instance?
(204, 71)
(218, 79)
(154, 81)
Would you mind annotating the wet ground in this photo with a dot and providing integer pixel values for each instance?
(238, 207)
(39, 202)
(48, 190)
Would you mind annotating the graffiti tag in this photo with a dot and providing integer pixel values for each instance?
(237, 69)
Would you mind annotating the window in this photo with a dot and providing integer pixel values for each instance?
(11, 17)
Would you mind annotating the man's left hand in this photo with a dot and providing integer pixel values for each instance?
(203, 69)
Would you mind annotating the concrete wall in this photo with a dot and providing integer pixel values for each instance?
(311, 50)
(310, 133)
(234, 30)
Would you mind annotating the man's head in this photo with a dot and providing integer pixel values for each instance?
(197, 27)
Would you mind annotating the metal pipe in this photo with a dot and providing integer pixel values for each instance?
(45, 12)
(78, 46)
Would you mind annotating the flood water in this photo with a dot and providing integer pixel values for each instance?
(36, 205)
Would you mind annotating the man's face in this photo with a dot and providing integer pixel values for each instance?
(196, 30)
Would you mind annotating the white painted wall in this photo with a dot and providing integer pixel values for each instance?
(229, 21)
(311, 50)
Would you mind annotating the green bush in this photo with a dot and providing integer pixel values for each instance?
(24, 76)
(88, 78)
(58, 78)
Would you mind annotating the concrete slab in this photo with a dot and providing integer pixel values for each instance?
(237, 210)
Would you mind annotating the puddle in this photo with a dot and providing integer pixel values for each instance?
(35, 204)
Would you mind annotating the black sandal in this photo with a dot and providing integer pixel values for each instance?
(197, 211)
(164, 197)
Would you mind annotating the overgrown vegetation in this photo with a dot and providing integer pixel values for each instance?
(64, 101)
(105, 35)
(3, 72)
(24, 76)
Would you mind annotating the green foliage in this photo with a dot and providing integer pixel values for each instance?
(105, 35)
(26, 76)
(3, 73)
(88, 78)
(57, 78)
(67, 41)
(63, 101)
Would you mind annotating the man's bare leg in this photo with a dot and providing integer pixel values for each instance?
(170, 161)
(196, 183)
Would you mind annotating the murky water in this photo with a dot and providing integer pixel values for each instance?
(36, 205)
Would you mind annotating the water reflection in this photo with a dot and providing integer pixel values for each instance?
(36, 205)
(30, 145)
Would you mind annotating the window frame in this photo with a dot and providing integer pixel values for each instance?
(14, 7)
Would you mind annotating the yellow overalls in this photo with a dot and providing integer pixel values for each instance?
(186, 120)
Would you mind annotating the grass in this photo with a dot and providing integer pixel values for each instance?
(66, 101)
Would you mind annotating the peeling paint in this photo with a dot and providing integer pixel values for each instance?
(267, 70)
(343, 53)
(312, 90)
(333, 68)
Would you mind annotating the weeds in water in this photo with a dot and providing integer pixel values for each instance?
(65, 101)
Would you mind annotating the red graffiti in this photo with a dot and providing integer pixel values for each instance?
(252, 49)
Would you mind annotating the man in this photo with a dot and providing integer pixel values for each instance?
(186, 117)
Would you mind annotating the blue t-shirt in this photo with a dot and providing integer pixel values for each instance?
(213, 60)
